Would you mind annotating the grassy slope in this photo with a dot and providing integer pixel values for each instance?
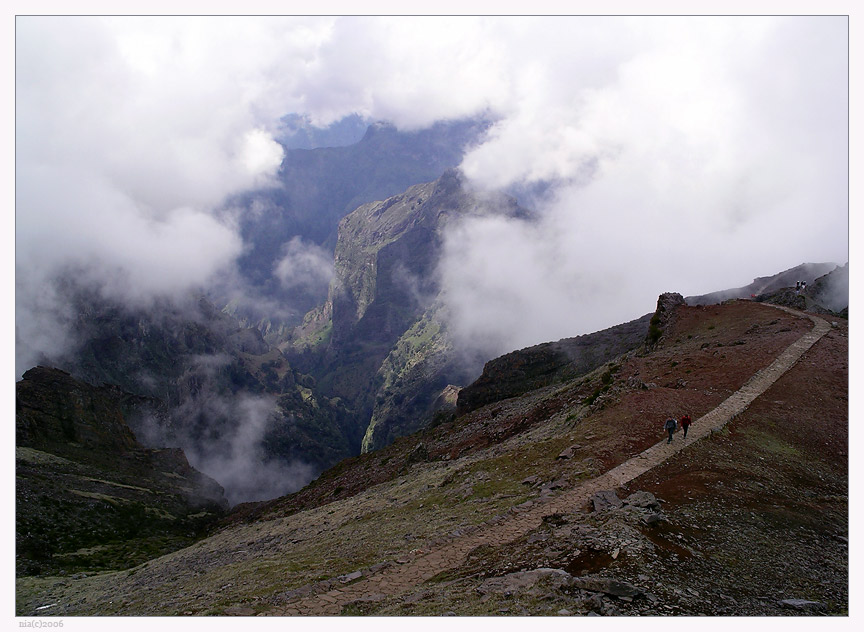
(381, 507)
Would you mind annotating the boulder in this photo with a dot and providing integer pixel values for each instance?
(606, 499)
(534, 582)
(643, 500)
(418, 455)
(569, 452)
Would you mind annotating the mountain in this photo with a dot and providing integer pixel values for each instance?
(524, 506)
(316, 188)
(89, 496)
(217, 390)
(380, 314)
(807, 272)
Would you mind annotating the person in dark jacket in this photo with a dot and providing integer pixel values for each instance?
(670, 426)
(685, 424)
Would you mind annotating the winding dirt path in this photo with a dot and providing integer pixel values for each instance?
(396, 580)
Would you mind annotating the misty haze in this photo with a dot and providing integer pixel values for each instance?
(266, 264)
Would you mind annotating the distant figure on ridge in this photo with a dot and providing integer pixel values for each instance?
(685, 423)
(798, 287)
(670, 426)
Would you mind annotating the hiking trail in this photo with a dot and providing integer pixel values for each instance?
(398, 579)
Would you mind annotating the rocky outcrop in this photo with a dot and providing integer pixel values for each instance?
(663, 316)
(542, 365)
(53, 409)
(84, 480)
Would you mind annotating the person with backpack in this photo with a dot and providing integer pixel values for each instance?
(685, 423)
(670, 426)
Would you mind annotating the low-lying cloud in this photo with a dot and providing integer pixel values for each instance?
(304, 265)
(223, 435)
(676, 153)
(706, 158)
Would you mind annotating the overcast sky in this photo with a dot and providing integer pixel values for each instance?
(688, 154)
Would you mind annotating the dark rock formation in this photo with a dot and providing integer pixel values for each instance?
(52, 410)
(664, 314)
(553, 362)
(605, 500)
(83, 480)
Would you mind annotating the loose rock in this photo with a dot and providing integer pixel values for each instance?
(802, 604)
(607, 586)
(606, 499)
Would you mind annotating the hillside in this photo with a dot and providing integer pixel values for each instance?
(89, 496)
(807, 272)
(513, 508)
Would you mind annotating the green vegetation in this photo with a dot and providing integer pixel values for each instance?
(654, 330)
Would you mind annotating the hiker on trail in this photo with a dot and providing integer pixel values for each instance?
(798, 287)
(670, 426)
(685, 423)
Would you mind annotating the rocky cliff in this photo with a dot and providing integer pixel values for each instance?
(378, 332)
(550, 363)
(318, 187)
(89, 496)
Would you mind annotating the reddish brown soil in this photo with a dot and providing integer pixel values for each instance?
(768, 499)
(704, 356)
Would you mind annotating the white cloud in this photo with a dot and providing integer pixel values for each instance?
(304, 265)
(700, 135)
(715, 153)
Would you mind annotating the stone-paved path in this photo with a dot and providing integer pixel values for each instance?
(399, 579)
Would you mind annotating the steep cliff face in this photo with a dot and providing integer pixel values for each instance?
(387, 252)
(318, 187)
(53, 410)
(370, 343)
(89, 496)
(416, 380)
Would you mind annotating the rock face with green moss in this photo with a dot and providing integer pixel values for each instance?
(88, 495)
(411, 383)
(377, 342)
